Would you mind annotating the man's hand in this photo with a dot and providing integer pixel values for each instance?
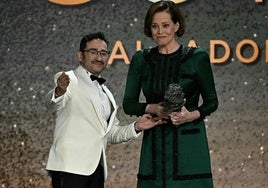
(62, 84)
(147, 121)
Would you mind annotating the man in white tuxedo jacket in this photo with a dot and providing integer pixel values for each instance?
(86, 120)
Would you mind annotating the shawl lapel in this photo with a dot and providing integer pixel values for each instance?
(114, 109)
(91, 92)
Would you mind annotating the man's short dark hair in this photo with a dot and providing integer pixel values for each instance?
(90, 37)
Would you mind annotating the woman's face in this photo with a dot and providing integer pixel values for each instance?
(163, 29)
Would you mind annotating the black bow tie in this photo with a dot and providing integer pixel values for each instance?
(100, 80)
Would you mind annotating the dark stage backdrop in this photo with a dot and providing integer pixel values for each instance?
(39, 38)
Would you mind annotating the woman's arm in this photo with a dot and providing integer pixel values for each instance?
(131, 104)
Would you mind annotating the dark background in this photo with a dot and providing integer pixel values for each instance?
(39, 38)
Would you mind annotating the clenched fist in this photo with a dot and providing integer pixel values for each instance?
(62, 84)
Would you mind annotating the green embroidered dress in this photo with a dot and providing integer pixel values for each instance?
(173, 156)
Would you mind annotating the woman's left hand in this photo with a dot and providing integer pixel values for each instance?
(181, 117)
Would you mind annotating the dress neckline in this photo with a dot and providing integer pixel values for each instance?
(178, 51)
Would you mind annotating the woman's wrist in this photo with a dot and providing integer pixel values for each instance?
(194, 115)
(147, 109)
(150, 109)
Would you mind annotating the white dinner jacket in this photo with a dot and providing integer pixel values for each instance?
(81, 133)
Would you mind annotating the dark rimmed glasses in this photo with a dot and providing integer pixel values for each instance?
(94, 53)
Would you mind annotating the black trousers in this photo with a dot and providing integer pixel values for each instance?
(69, 180)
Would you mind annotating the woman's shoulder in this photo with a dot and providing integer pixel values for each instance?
(199, 50)
(138, 54)
(196, 52)
(200, 56)
(144, 51)
(142, 55)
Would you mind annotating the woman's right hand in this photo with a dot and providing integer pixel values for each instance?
(156, 109)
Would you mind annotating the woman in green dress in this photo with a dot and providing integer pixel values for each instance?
(175, 154)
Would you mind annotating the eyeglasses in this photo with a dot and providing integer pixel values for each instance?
(94, 52)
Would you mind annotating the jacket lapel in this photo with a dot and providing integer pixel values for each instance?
(92, 93)
(114, 109)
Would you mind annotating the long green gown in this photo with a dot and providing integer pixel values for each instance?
(173, 156)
